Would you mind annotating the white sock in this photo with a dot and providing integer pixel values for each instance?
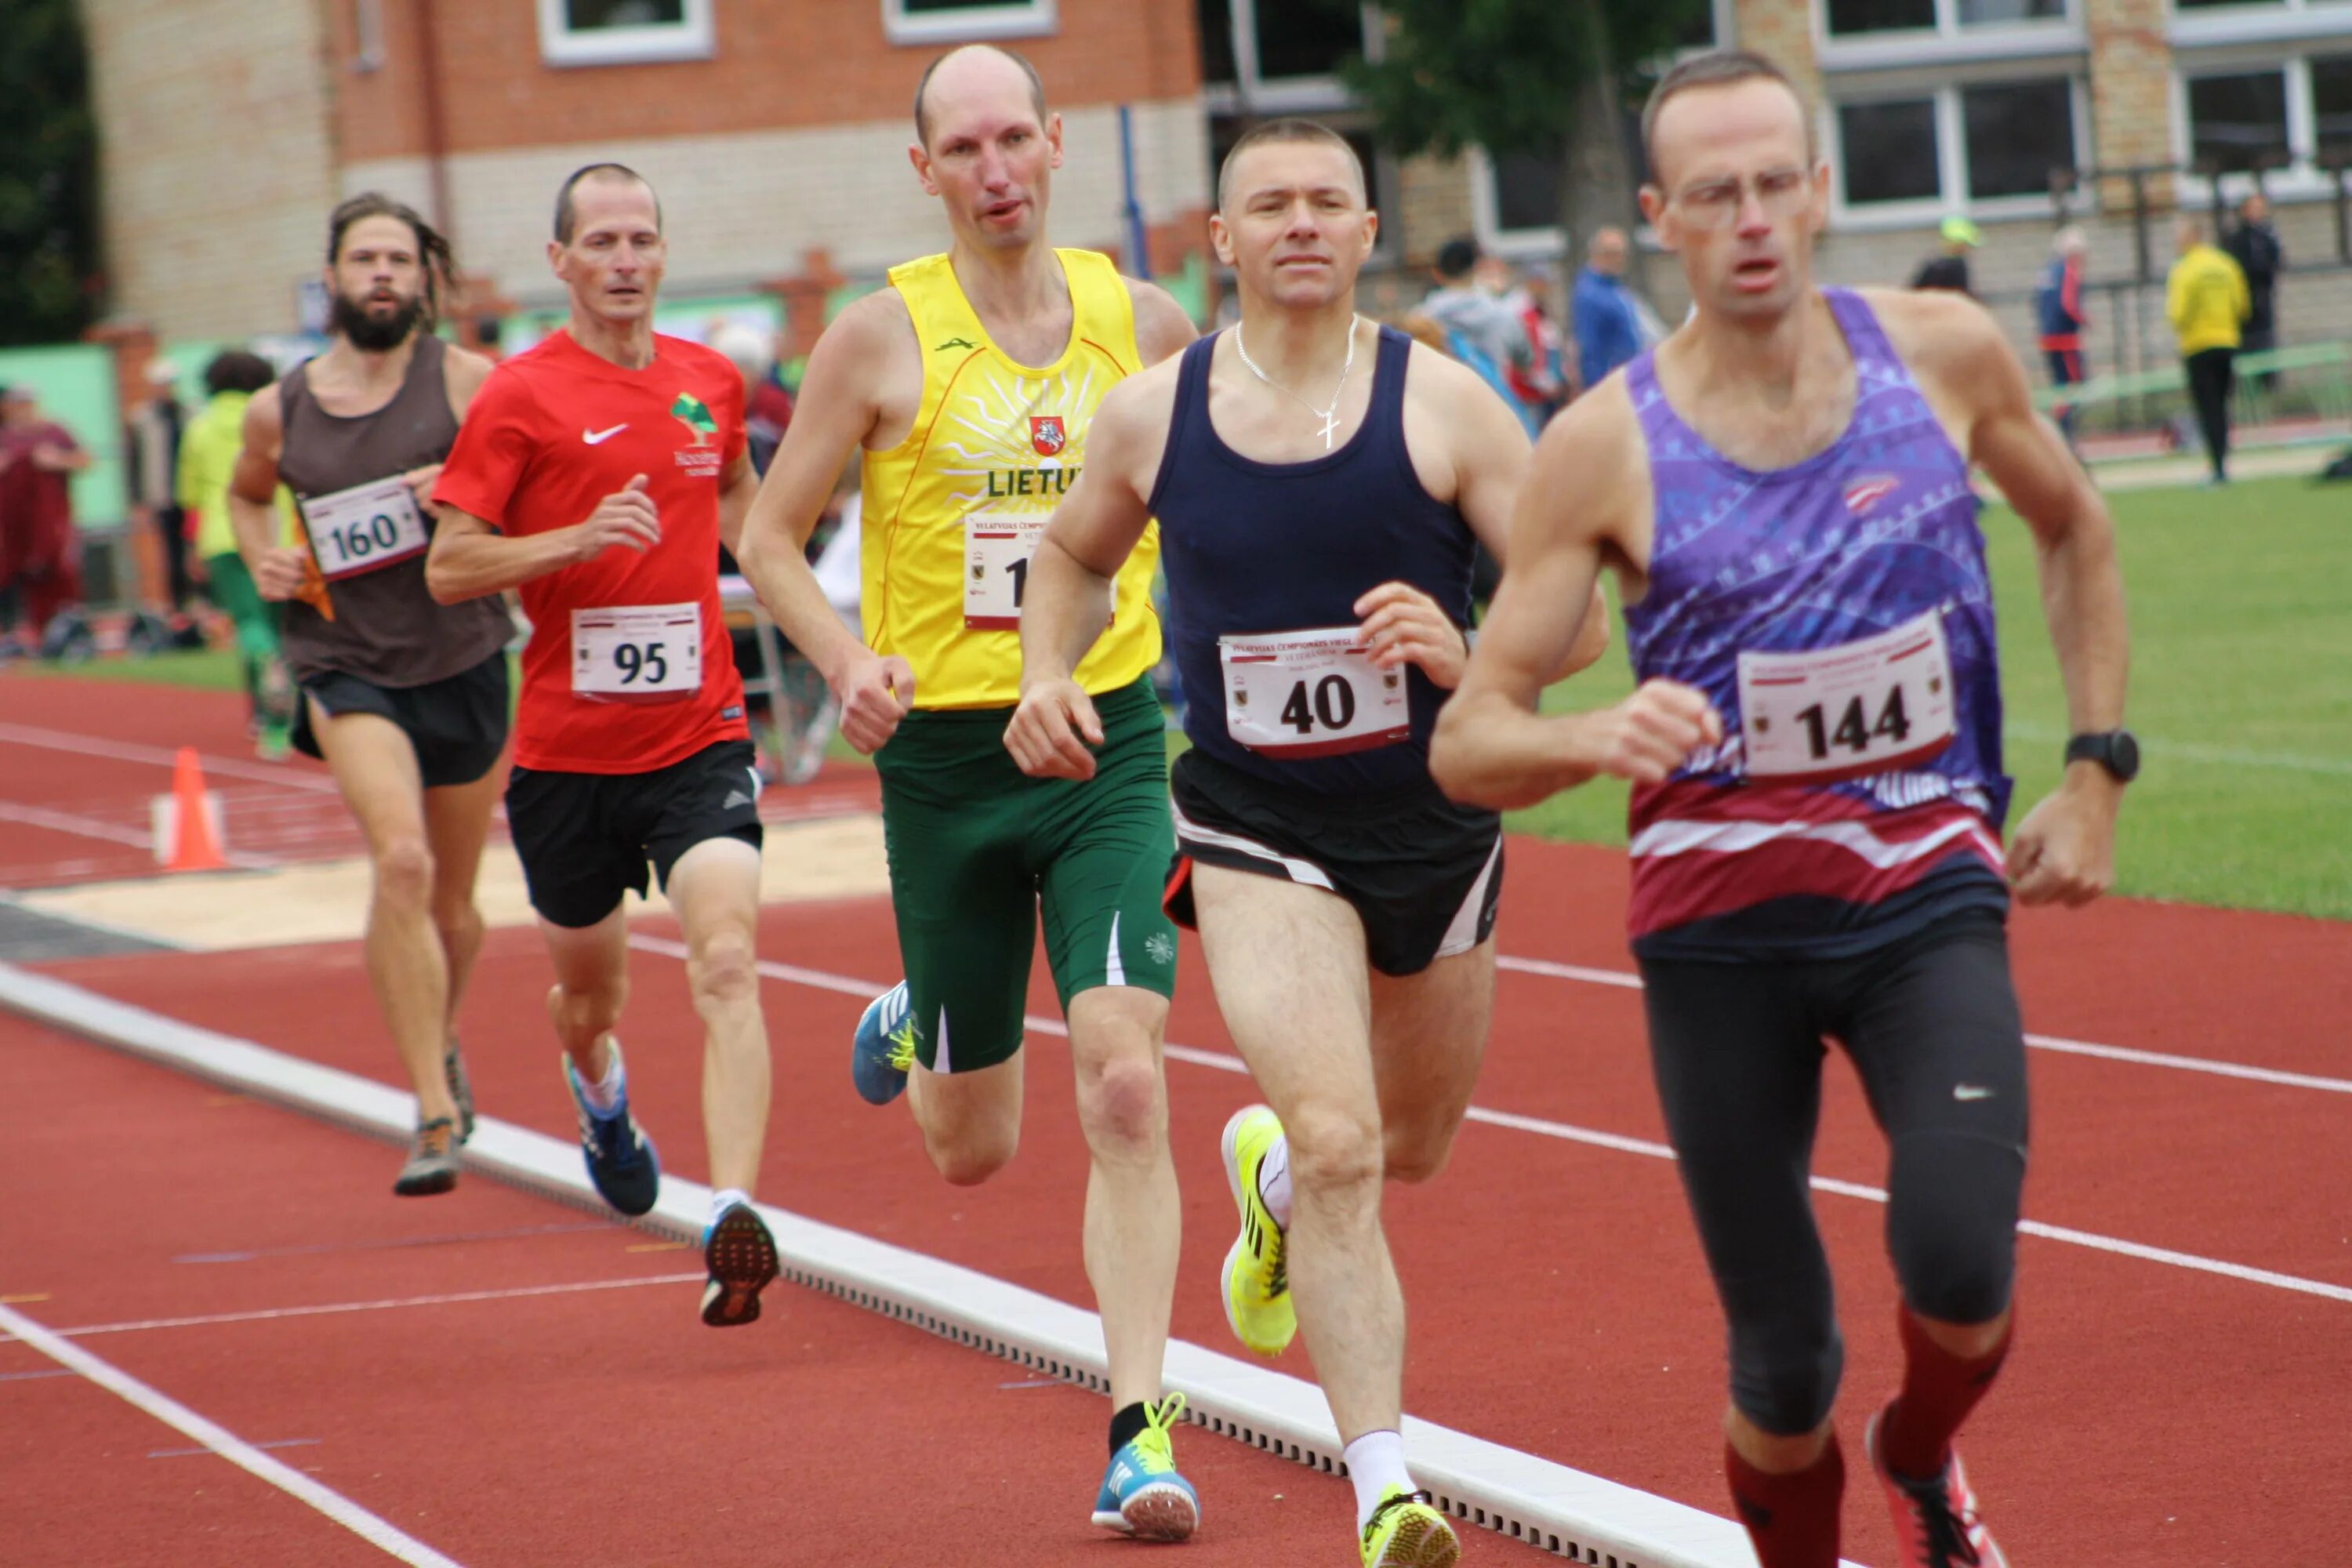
(723, 1199)
(1274, 1181)
(604, 1098)
(1376, 1463)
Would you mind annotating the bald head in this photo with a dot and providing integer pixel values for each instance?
(1608, 251)
(973, 70)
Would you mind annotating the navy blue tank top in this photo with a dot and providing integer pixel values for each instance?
(1256, 548)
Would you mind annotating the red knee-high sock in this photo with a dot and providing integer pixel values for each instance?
(1940, 1389)
(1793, 1518)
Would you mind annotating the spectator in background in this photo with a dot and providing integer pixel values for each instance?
(753, 352)
(1603, 311)
(207, 460)
(160, 541)
(2059, 320)
(1487, 334)
(1949, 267)
(40, 555)
(1546, 385)
(2207, 301)
(2255, 246)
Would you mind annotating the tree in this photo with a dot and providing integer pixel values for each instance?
(1544, 77)
(48, 176)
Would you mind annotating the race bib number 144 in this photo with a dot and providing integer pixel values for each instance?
(1866, 707)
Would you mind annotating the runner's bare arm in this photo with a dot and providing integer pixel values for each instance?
(2063, 851)
(469, 558)
(737, 485)
(1585, 503)
(839, 407)
(1067, 601)
(277, 569)
(1161, 327)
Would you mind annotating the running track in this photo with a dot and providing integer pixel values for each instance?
(2156, 1410)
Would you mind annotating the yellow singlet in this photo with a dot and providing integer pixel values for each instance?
(953, 512)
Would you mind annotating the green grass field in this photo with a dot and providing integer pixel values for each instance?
(2242, 694)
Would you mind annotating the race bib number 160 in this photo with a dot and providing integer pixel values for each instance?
(363, 528)
(1865, 707)
(637, 653)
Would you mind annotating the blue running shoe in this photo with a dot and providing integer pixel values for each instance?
(621, 1159)
(883, 1049)
(1143, 1495)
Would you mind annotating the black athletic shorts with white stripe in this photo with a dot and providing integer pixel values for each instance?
(1424, 874)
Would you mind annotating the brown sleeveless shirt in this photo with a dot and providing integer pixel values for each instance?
(386, 628)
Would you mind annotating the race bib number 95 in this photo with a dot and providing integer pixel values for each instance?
(363, 528)
(1311, 694)
(1866, 707)
(637, 653)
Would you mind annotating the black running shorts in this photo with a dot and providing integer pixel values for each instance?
(458, 725)
(585, 840)
(1424, 874)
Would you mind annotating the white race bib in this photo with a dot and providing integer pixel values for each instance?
(1311, 694)
(365, 527)
(996, 551)
(1865, 707)
(637, 653)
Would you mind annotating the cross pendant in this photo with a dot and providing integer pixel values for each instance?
(1330, 424)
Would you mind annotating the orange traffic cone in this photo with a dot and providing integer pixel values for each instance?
(188, 832)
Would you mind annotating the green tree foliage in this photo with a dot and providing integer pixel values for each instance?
(1546, 77)
(48, 176)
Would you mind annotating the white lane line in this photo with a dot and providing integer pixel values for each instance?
(1224, 1062)
(389, 1304)
(161, 757)
(1624, 981)
(376, 1531)
(90, 828)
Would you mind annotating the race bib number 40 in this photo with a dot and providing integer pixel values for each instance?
(1311, 694)
(996, 551)
(363, 528)
(637, 653)
(1865, 707)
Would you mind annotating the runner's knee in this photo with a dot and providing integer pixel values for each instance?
(590, 1008)
(1785, 1365)
(1121, 1108)
(724, 969)
(1332, 1149)
(971, 1155)
(1951, 1224)
(404, 872)
(1416, 1154)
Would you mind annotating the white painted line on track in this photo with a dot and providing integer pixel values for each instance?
(1626, 981)
(1226, 1062)
(390, 1303)
(163, 757)
(90, 828)
(1585, 1517)
(376, 1531)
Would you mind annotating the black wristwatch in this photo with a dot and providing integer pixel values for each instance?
(2118, 751)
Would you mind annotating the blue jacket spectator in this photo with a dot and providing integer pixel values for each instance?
(1601, 309)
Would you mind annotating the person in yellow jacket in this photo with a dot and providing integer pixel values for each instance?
(2207, 301)
(969, 384)
(208, 450)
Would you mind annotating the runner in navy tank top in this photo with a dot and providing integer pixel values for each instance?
(1319, 484)
(1818, 786)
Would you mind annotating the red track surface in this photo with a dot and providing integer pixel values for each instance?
(2151, 1413)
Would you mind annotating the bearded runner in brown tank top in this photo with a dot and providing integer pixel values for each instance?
(404, 699)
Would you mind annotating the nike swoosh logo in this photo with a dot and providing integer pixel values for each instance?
(596, 438)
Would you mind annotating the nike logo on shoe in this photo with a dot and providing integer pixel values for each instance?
(597, 438)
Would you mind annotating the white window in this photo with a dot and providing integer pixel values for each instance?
(1896, 35)
(2284, 119)
(2197, 23)
(966, 21)
(1281, 56)
(1985, 147)
(623, 32)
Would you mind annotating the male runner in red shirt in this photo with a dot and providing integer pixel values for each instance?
(598, 474)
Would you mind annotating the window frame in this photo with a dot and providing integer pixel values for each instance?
(972, 24)
(2259, 22)
(2302, 178)
(1253, 93)
(1949, 41)
(694, 37)
(1951, 154)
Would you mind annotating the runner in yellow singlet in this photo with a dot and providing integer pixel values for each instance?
(969, 384)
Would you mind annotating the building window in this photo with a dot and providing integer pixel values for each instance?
(2331, 108)
(1957, 148)
(1851, 18)
(1890, 152)
(965, 21)
(1281, 56)
(2238, 122)
(623, 32)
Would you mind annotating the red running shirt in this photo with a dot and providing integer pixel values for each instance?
(552, 432)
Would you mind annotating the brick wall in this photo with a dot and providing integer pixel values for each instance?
(217, 162)
(744, 207)
(776, 63)
(2131, 95)
(1783, 31)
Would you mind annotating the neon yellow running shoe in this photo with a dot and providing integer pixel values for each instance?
(1143, 1495)
(1257, 1270)
(1407, 1531)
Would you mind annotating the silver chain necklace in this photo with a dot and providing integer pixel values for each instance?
(1330, 416)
